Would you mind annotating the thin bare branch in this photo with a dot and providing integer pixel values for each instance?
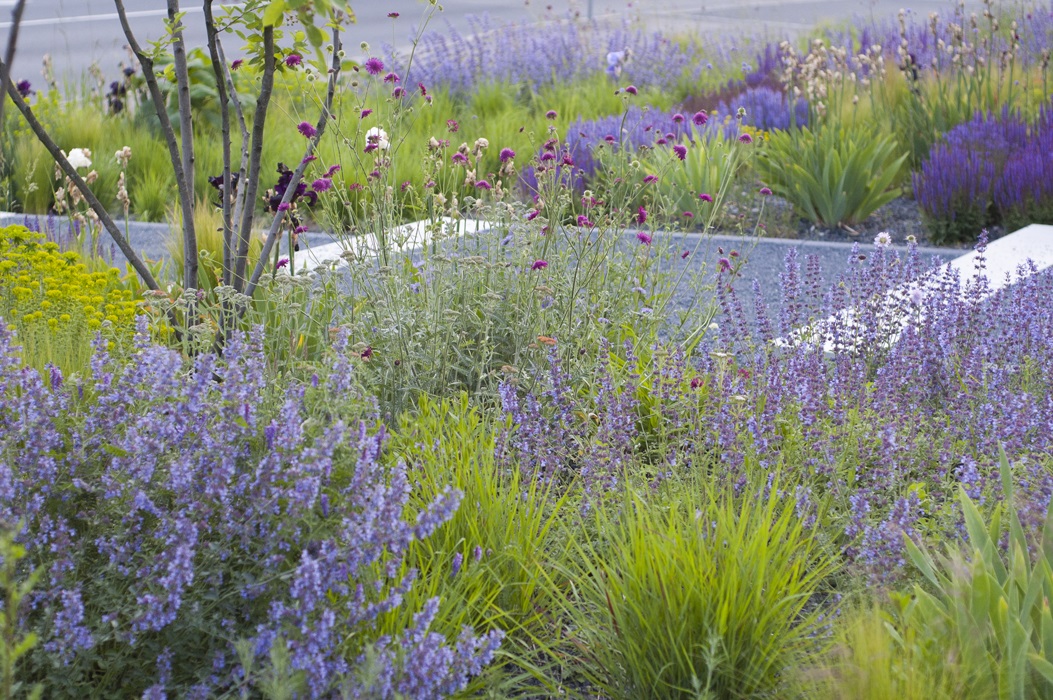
(185, 190)
(224, 114)
(239, 198)
(186, 137)
(290, 190)
(253, 181)
(89, 196)
(9, 54)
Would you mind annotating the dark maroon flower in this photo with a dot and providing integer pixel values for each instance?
(482, 185)
(532, 215)
(24, 88)
(423, 90)
(332, 169)
(398, 92)
(725, 265)
(393, 15)
(683, 255)
(678, 118)
(452, 126)
(649, 179)
(688, 215)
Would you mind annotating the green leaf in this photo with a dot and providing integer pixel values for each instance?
(274, 14)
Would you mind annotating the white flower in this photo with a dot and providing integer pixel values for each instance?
(378, 136)
(79, 158)
(883, 239)
(123, 156)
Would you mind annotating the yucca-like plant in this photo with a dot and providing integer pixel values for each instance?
(833, 176)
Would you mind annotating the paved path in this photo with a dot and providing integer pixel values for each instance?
(78, 32)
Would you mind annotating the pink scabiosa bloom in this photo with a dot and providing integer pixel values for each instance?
(482, 185)
(705, 198)
(725, 265)
(309, 159)
(307, 130)
(332, 170)
(641, 216)
(459, 158)
(644, 237)
(745, 138)
(631, 90)
(282, 263)
(681, 151)
(583, 221)
(374, 66)
(391, 77)
(355, 187)
(398, 92)
(688, 215)
(452, 126)
(365, 113)
(567, 160)
(539, 265)
(765, 191)
(609, 138)
(507, 154)
(300, 229)
(370, 147)
(678, 118)
(236, 64)
(322, 184)
(547, 156)
(551, 114)
(700, 118)
(661, 141)
(293, 60)
(649, 179)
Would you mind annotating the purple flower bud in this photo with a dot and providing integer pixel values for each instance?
(539, 265)
(644, 237)
(307, 130)
(681, 151)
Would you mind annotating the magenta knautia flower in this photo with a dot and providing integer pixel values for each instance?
(705, 198)
(609, 138)
(365, 113)
(293, 60)
(24, 88)
(688, 215)
(584, 222)
(236, 63)
(539, 265)
(700, 118)
(685, 254)
(681, 151)
(678, 118)
(370, 147)
(745, 138)
(641, 216)
(310, 158)
(765, 191)
(631, 90)
(307, 130)
(661, 141)
(281, 263)
(423, 90)
(452, 126)
(373, 66)
(532, 215)
(547, 156)
(393, 15)
(551, 114)
(459, 158)
(482, 185)
(398, 92)
(725, 265)
(322, 184)
(300, 229)
(332, 170)
(643, 237)
(284, 206)
(648, 179)
(391, 77)
(507, 154)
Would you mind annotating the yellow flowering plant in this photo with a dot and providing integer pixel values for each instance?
(55, 304)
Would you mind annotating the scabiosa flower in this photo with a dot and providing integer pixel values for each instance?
(452, 126)
(551, 114)
(332, 169)
(282, 263)
(532, 215)
(706, 198)
(284, 206)
(609, 138)
(745, 138)
(883, 239)
(293, 60)
(459, 158)
(24, 88)
(374, 66)
(725, 265)
(643, 236)
(482, 185)
(678, 118)
(398, 92)
(583, 221)
(641, 216)
(700, 118)
(688, 215)
(392, 77)
(507, 154)
(365, 113)
(649, 179)
(631, 90)
(236, 64)
(547, 156)
(681, 151)
(322, 184)
(765, 191)
(684, 255)
(539, 265)
(307, 130)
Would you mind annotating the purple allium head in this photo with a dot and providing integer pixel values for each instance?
(681, 151)
(307, 130)
(322, 184)
(765, 191)
(374, 66)
(24, 88)
(700, 118)
(745, 138)
(539, 265)
(678, 118)
(643, 236)
(293, 60)
(482, 185)
(706, 198)
(551, 114)
(648, 179)
(632, 90)
(507, 154)
(641, 217)
(365, 113)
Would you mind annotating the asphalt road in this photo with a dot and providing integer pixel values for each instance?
(77, 33)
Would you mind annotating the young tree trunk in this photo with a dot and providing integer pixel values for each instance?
(186, 136)
(9, 54)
